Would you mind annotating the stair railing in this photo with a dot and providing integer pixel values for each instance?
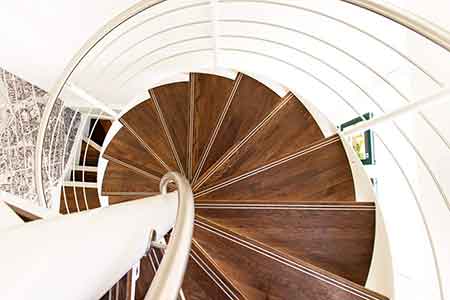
(167, 281)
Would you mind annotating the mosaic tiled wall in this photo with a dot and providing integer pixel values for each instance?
(21, 108)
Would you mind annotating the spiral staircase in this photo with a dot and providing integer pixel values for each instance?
(240, 121)
(276, 216)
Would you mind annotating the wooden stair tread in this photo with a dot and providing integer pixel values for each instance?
(204, 280)
(88, 155)
(319, 172)
(270, 274)
(290, 129)
(209, 94)
(125, 147)
(251, 102)
(205, 202)
(143, 121)
(83, 176)
(148, 266)
(74, 199)
(146, 276)
(172, 103)
(276, 216)
(337, 237)
(118, 197)
(98, 130)
(197, 285)
(119, 178)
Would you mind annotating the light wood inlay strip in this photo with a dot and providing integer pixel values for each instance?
(166, 131)
(191, 124)
(148, 194)
(217, 128)
(286, 207)
(244, 140)
(276, 163)
(132, 168)
(150, 258)
(117, 289)
(285, 261)
(92, 144)
(211, 275)
(130, 285)
(155, 257)
(224, 286)
(146, 146)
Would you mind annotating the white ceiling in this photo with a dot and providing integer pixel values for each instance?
(39, 37)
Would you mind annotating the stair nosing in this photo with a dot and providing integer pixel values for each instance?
(145, 145)
(281, 257)
(131, 167)
(148, 194)
(81, 168)
(93, 144)
(190, 154)
(366, 206)
(226, 285)
(213, 136)
(303, 151)
(80, 184)
(237, 146)
(166, 130)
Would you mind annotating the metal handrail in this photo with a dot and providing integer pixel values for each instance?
(167, 281)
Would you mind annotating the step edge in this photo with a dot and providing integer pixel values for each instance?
(198, 253)
(301, 152)
(144, 144)
(215, 132)
(244, 140)
(281, 257)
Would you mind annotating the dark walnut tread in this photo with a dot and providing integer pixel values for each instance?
(248, 105)
(121, 179)
(337, 237)
(172, 105)
(208, 96)
(269, 273)
(84, 176)
(280, 136)
(119, 197)
(318, 172)
(125, 147)
(98, 130)
(276, 216)
(148, 266)
(145, 124)
(88, 155)
(205, 280)
(75, 199)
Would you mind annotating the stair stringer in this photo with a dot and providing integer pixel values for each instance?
(381, 277)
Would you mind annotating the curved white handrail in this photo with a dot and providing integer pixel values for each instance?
(417, 24)
(167, 281)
